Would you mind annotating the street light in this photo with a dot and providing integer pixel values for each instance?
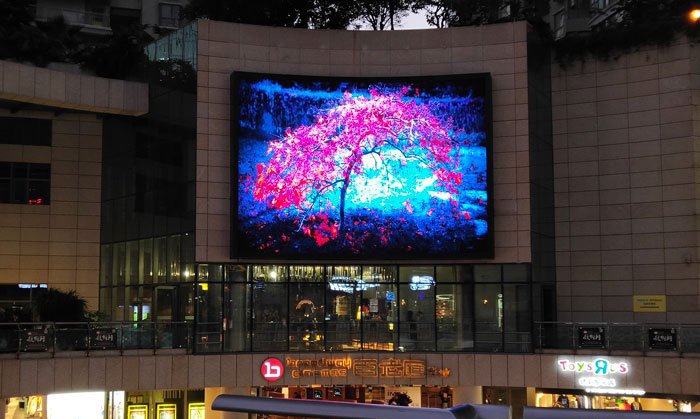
(694, 15)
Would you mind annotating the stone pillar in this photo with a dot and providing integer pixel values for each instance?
(467, 395)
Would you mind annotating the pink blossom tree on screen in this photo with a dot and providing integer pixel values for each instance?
(312, 161)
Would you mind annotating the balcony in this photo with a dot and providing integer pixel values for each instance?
(52, 338)
(617, 337)
(92, 21)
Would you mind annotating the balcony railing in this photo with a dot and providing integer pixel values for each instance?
(637, 337)
(115, 336)
(75, 17)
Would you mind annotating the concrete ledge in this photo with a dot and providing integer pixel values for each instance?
(41, 86)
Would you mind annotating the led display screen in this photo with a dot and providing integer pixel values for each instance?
(359, 168)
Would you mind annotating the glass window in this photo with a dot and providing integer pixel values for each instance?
(106, 302)
(236, 316)
(417, 316)
(187, 257)
(453, 317)
(306, 273)
(25, 183)
(146, 261)
(306, 314)
(106, 266)
(270, 316)
(488, 317)
(343, 309)
(209, 317)
(132, 263)
(118, 264)
(169, 15)
(118, 306)
(160, 265)
(269, 273)
(379, 322)
(454, 273)
(487, 273)
(516, 320)
(515, 273)
(174, 258)
(25, 131)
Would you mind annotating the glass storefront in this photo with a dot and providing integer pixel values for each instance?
(355, 308)
(239, 308)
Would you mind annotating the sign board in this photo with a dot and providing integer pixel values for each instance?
(663, 339)
(34, 340)
(591, 337)
(272, 369)
(649, 303)
(103, 338)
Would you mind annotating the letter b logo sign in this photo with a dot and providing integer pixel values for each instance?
(272, 369)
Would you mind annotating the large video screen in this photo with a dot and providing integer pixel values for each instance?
(355, 168)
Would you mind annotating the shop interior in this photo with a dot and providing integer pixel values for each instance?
(582, 400)
(415, 396)
(166, 404)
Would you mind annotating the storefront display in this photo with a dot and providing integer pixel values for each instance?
(166, 411)
(195, 411)
(137, 411)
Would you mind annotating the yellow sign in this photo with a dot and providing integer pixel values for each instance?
(649, 303)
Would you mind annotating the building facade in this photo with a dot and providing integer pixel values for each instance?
(586, 296)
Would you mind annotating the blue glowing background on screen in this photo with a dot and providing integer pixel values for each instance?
(332, 168)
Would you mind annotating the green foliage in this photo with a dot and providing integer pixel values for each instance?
(24, 40)
(444, 13)
(120, 56)
(60, 306)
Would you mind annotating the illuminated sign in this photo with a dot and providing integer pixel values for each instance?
(598, 376)
(272, 369)
(421, 282)
(363, 367)
(599, 366)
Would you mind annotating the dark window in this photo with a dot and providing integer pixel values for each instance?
(25, 183)
(169, 15)
(25, 131)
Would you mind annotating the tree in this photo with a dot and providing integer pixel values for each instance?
(23, 39)
(119, 56)
(383, 14)
(319, 14)
(387, 128)
(60, 306)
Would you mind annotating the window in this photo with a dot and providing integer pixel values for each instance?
(169, 15)
(24, 183)
(25, 131)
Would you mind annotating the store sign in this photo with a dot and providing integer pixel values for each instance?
(272, 369)
(33, 340)
(661, 339)
(103, 338)
(362, 367)
(591, 337)
(597, 375)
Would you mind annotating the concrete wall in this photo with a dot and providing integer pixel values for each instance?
(497, 49)
(626, 191)
(27, 376)
(57, 244)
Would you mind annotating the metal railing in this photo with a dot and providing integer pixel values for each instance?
(100, 336)
(612, 336)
